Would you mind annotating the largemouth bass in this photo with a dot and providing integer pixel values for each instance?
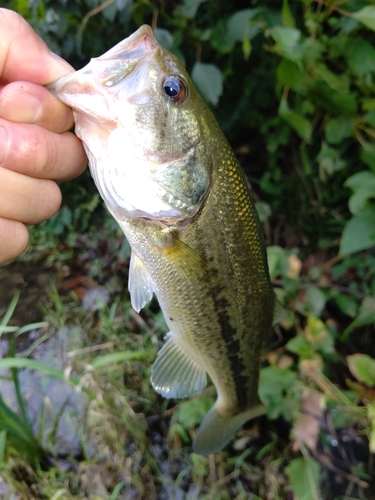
(170, 179)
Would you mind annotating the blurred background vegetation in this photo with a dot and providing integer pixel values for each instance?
(292, 85)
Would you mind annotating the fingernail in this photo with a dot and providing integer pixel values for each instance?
(62, 62)
(4, 136)
(21, 106)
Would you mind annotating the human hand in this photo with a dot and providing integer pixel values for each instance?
(35, 143)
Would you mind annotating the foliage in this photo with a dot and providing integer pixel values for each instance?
(16, 432)
(292, 85)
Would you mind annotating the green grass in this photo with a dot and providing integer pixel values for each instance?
(135, 444)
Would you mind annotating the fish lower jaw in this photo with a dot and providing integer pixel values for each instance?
(167, 218)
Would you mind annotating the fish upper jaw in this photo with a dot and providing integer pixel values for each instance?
(135, 46)
(92, 91)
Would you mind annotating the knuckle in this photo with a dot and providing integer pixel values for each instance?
(4, 144)
(42, 153)
(14, 238)
(50, 199)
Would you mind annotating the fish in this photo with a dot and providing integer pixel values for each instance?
(169, 177)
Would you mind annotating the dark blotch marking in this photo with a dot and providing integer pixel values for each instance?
(232, 346)
(228, 332)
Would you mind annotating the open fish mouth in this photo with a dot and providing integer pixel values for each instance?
(126, 54)
(106, 70)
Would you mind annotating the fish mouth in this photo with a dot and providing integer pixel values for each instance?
(119, 61)
(135, 46)
(108, 69)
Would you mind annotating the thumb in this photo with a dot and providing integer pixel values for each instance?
(24, 55)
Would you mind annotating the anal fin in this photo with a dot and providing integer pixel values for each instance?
(176, 373)
(140, 283)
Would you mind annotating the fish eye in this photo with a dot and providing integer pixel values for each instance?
(175, 89)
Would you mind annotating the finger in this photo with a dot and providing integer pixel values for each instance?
(26, 199)
(24, 55)
(34, 151)
(27, 102)
(14, 238)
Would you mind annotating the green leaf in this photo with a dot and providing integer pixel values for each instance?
(287, 18)
(362, 367)
(311, 49)
(363, 185)
(370, 118)
(3, 438)
(304, 478)
(246, 48)
(366, 16)
(343, 103)
(287, 42)
(357, 180)
(277, 261)
(290, 74)
(264, 210)
(340, 83)
(316, 300)
(109, 12)
(329, 161)
(338, 129)
(300, 124)
(239, 26)
(368, 155)
(318, 334)
(366, 316)
(371, 417)
(273, 385)
(337, 45)
(22, 7)
(359, 232)
(301, 346)
(348, 305)
(368, 104)
(164, 37)
(209, 80)
(219, 40)
(188, 9)
(361, 57)
(190, 413)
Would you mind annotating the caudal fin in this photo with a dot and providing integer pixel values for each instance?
(217, 430)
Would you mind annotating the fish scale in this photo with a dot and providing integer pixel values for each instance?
(169, 177)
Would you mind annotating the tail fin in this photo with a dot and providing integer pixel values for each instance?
(217, 430)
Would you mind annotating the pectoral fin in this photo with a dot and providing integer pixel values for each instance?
(186, 260)
(140, 283)
(176, 373)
